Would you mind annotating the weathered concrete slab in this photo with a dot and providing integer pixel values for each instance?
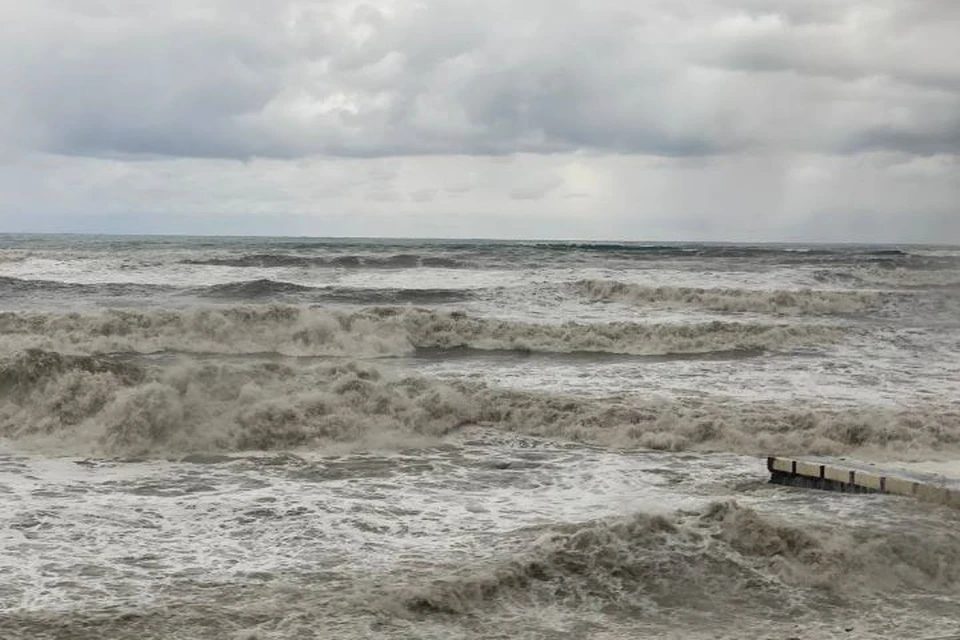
(837, 474)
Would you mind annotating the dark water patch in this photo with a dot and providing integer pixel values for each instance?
(345, 261)
(928, 263)
(512, 465)
(267, 514)
(181, 487)
(440, 354)
(250, 289)
(797, 252)
(10, 285)
(394, 295)
(831, 276)
(285, 459)
(34, 520)
(17, 287)
(683, 250)
(206, 458)
(359, 467)
(257, 260)
(266, 289)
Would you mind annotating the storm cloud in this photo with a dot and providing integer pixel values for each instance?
(730, 115)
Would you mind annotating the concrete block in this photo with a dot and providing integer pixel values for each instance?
(953, 498)
(783, 464)
(868, 480)
(808, 469)
(932, 493)
(900, 486)
(837, 474)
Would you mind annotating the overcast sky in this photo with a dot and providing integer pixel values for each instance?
(833, 120)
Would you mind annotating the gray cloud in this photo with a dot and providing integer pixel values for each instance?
(902, 42)
(290, 79)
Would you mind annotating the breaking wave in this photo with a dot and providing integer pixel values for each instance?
(732, 300)
(898, 278)
(724, 425)
(723, 555)
(132, 406)
(383, 296)
(378, 331)
(345, 261)
(105, 406)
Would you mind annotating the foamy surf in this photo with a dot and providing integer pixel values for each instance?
(560, 538)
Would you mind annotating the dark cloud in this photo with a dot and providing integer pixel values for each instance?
(931, 140)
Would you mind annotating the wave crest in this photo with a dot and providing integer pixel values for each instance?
(805, 301)
(379, 331)
(723, 555)
(252, 289)
(91, 406)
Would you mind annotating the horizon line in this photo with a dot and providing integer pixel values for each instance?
(538, 240)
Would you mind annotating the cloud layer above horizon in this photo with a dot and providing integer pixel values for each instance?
(702, 119)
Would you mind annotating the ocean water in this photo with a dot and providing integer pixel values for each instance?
(258, 438)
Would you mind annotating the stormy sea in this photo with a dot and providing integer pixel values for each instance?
(271, 438)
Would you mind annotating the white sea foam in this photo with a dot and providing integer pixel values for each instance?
(481, 535)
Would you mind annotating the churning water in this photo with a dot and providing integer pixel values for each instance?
(298, 438)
